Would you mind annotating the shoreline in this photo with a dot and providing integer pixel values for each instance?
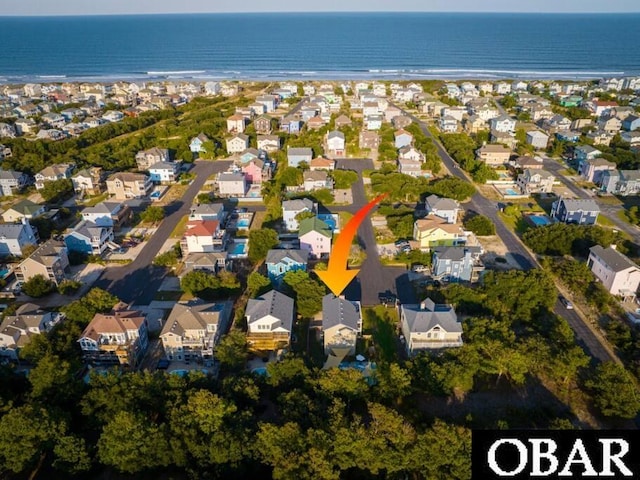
(445, 74)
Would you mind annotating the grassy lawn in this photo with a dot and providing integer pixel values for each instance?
(258, 219)
(568, 172)
(381, 322)
(622, 215)
(344, 218)
(517, 224)
(92, 202)
(609, 200)
(181, 227)
(606, 221)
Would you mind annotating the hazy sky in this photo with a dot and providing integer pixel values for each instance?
(88, 7)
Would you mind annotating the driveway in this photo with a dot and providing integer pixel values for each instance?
(140, 280)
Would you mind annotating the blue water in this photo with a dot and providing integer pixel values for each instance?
(329, 220)
(243, 223)
(511, 191)
(539, 220)
(326, 45)
(260, 371)
(155, 194)
(238, 249)
(4, 272)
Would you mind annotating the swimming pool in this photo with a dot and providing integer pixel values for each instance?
(238, 249)
(4, 272)
(260, 371)
(243, 223)
(510, 191)
(155, 194)
(539, 220)
(329, 220)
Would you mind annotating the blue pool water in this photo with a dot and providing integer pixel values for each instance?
(329, 220)
(260, 371)
(539, 221)
(155, 194)
(238, 249)
(511, 191)
(184, 373)
(243, 223)
(4, 272)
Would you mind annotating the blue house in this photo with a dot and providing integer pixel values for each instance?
(631, 123)
(581, 212)
(279, 262)
(582, 153)
(297, 155)
(455, 264)
(196, 143)
(89, 238)
(568, 136)
(290, 124)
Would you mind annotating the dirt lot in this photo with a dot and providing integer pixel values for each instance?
(495, 248)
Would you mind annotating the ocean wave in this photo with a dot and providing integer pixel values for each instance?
(176, 72)
(47, 77)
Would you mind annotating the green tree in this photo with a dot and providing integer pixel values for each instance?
(614, 392)
(68, 287)
(38, 286)
(260, 242)
(290, 176)
(344, 178)
(480, 225)
(448, 448)
(56, 190)
(95, 301)
(131, 444)
(509, 101)
(153, 214)
(308, 292)
(393, 382)
(232, 351)
(257, 284)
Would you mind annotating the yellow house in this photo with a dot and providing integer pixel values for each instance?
(433, 231)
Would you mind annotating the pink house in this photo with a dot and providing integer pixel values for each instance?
(256, 171)
(315, 236)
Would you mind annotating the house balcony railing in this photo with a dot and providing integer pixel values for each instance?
(435, 343)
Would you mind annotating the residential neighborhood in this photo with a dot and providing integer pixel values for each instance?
(202, 236)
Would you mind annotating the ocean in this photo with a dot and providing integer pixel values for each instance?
(319, 46)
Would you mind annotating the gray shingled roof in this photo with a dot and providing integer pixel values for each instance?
(297, 205)
(436, 203)
(11, 231)
(194, 315)
(272, 303)
(455, 253)
(587, 205)
(207, 208)
(422, 318)
(338, 311)
(300, 151)
(612, 258)
(297, 255)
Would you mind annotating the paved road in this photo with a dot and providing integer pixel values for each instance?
(611, 211)
(481, 205)
(374, 278)
(587, 337)
(139, 281)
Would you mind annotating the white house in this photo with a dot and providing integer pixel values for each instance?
(503, 123)
(15, 236)
(269, 321)
(238, 144)
(429, 326)
(443, 207)
(203, 236)
(402, 138)
(292, 208)
(164, 172)
(232, 184)
(618, 274)
(341, 325)
(336, 143)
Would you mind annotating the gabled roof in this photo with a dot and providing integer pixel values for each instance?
(423, 318)
(103, 207)
(298, 205)
(587, 205)
(320, 162)
(11, 231)
(338, 311)
(10, 175)
(202, 228)
(297, 255)
(434, 202)
(88, 229)
(335, 134)
(207, 208)
(114, 322)
(315, 175)
(302, 151)
(47, 253)
(26, 207)
(271, 303)
(615, 260)
(433, 222)
(128, 177)
(314, 224)
(193, 315)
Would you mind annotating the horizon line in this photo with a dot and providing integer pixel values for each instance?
(286, 12)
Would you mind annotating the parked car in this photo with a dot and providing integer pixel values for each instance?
(568, 305)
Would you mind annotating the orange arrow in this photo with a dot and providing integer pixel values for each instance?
(337, 277)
